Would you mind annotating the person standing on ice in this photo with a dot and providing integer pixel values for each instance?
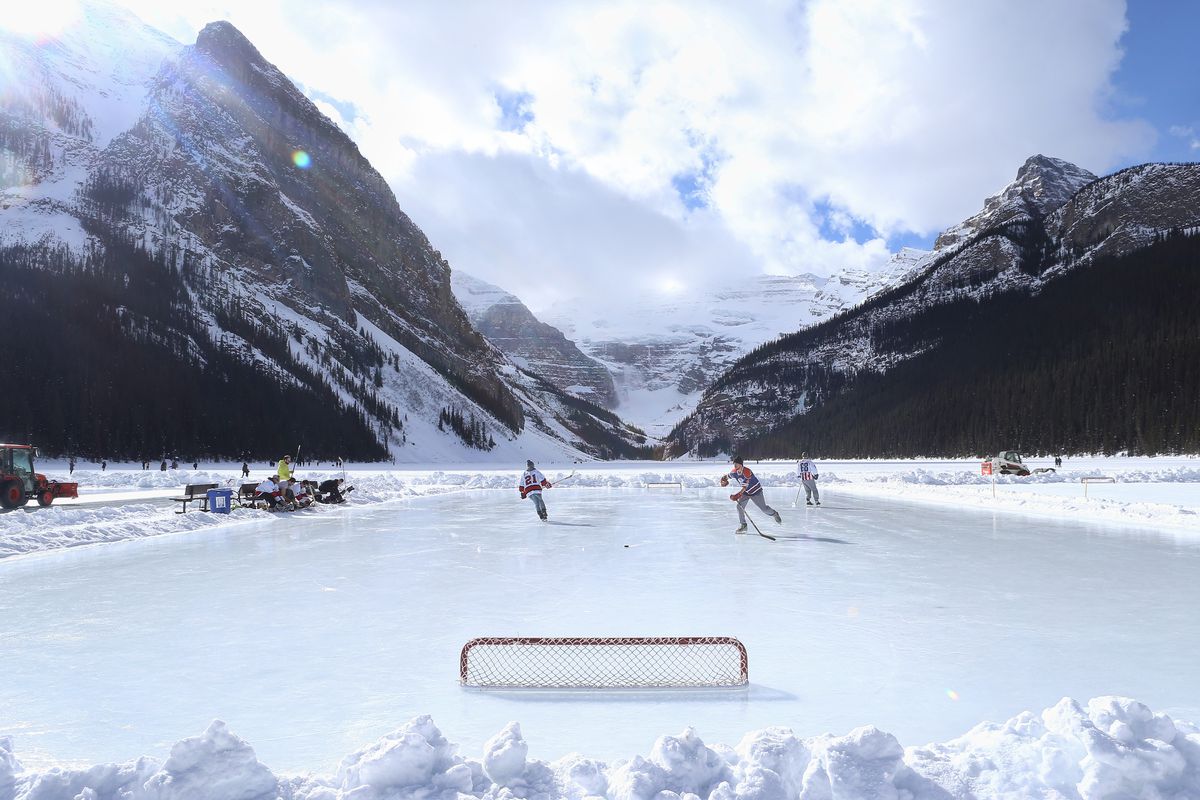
(531, 485)
(284, 468)
(751, 490)
(806, 471)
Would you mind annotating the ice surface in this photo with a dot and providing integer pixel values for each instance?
(312, 635)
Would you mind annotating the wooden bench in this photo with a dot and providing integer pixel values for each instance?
(195, 492)
(245, 494)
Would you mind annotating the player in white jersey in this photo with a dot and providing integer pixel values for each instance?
(531, 485)
(806, 471)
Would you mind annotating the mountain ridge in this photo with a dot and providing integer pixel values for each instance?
(1017, 250)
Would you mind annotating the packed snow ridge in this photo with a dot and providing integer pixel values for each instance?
(1113, 748)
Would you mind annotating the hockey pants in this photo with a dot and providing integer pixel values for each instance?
(810, 490)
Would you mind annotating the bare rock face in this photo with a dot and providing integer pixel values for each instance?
(540, 348)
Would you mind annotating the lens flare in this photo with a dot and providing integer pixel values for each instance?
(953, 695)
(301, 159)
(41, 21)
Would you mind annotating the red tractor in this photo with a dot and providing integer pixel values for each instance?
(19, 483)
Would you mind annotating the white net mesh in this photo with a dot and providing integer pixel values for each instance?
(600, 663)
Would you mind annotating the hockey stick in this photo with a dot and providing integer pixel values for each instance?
(564, 480)
(756, 528)
(796, 502)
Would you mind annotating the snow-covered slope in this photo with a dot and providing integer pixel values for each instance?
(62, 100)
(664, 351)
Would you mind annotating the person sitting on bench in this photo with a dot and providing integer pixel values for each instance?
(268, 492)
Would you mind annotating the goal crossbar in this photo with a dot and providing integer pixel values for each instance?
(664, 485)
(1098, 479)
(539, 662)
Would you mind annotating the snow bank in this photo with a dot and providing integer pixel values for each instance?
(1113, 748)
(1161, 498)
(130, 503)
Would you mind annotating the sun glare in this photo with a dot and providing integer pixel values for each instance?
(43, 20)
(670, 285)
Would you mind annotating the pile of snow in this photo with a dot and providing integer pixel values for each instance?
(1113, 748)
(1164, 498)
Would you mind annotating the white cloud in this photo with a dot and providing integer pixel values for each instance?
(903, 114)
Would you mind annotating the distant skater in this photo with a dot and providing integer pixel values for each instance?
(245, 470)
(806, 471)
(531, 485)
(751, 490)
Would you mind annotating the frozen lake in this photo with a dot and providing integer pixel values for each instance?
(311, 636)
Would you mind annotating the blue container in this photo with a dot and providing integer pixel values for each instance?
(220, 501)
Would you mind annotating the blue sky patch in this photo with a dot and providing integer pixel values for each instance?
(515, 111)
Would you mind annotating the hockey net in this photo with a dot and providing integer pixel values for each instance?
(678, 485)
(603, 663)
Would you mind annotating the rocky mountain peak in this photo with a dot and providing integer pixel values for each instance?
(1043, 184)
(1048, 182)
(227, 45)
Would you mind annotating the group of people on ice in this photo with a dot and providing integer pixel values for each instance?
(532, 483)
(283, 491)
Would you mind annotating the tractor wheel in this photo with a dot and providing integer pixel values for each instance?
(12, 495)
(45, 498)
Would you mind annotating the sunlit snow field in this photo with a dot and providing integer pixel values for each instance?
(313, 635)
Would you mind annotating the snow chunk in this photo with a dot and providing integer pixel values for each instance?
(214, 766)
(678, 766)
(415, 755)
(504, 755)
(864, 763)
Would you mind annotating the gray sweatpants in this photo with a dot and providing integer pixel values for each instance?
(538, 503)
(810, 490)
(758, 501)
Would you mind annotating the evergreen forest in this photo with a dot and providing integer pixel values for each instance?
(105, 358)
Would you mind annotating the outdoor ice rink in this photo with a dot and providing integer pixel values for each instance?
(314, 637)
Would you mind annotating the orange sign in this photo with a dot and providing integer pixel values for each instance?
(986, 467)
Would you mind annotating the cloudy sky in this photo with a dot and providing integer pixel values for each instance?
(607, 148)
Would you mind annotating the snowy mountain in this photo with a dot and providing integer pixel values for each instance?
(540, 348)
(664, 351)
(207, 227)
(1053, 221)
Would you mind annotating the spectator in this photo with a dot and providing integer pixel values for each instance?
(268, 492)
(330, 491)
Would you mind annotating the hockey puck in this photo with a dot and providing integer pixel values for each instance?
(627, 545)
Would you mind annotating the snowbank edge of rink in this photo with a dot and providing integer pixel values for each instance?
(1112, 747)
(71, 525)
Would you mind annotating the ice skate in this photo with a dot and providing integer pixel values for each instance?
(778, 519)
(741, 528)
(808, 502)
